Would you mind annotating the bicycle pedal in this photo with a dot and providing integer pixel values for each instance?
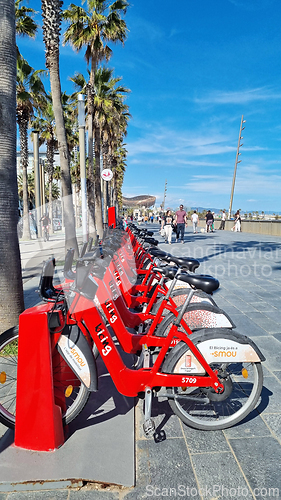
(149, 427)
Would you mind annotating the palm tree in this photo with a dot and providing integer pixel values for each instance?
(25, 24)
(93, 29)
(30, 95)
(52, 16)
(11, 290)
(30, 187)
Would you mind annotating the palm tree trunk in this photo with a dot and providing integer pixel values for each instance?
(11, 290)
(51, 13)
(98, 203)
(70, 234)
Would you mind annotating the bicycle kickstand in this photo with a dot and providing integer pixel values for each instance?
(149, 424)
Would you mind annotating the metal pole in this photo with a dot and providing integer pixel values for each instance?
(165, 190)
(37, 180)
(81, 123)
(235, 167)
(42, 184)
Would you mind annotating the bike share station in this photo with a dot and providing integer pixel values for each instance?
(98, 446)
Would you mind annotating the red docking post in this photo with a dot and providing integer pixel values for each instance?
(39, 423)
(111, 217)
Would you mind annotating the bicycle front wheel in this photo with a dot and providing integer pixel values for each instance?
(204, 409)
(74, 399)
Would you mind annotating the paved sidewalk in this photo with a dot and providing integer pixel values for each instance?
(241, 462)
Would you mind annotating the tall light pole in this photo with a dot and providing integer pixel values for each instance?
(82, 151)
(42, 185)
(165, 191)
(37, 180)
(236, 163)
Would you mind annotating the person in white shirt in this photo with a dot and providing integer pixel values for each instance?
(194, 220)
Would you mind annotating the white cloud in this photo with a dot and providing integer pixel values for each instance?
(182, 147)
(248, 180)
(239, 97)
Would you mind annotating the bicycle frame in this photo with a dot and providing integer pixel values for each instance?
(131, 382)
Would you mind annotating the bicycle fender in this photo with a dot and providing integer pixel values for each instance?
(75, 350)
(199, 316)
(218, 345)
(209, 314)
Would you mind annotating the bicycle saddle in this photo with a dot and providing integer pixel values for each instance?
(156, 252)
(184, 262)
(168, 271)
(203, 282)
(151, 241)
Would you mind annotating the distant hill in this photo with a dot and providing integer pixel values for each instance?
(200, 209)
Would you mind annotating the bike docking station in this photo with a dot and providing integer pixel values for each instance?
(98, 446)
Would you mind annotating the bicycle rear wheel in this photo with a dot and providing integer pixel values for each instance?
(75, 398)
(243, 384)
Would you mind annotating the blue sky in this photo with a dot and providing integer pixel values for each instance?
(194, 68)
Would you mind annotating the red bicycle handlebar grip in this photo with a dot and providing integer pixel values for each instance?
(38, 419)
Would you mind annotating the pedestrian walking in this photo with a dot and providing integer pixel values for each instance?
(213, 223)
(223, 219)
(209, 221)
(237, 224)
(181, 223)
(167, 222)
(194, 220)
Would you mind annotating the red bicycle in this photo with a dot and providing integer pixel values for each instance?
(212, 378)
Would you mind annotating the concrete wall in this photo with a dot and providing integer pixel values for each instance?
(258, 227)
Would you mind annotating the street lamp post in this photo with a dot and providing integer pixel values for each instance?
(42, 186)
(81, 124)
(165, 191)
(38, 200)
(236, 163)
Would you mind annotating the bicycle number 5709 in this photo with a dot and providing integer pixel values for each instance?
(189, 380)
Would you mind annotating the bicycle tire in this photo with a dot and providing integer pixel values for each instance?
(219, 414)
(8, 386)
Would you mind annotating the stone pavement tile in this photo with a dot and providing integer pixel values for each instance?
(271, 396)
(265, 307)
(264, 322)
(217, 473)
(277, 374)
(39, 495)
(260, 462)
(254, 299)
(277, 336)
(243, 306)
(247, 327)
(274, 315)
(273, 420)
(230, 310)
(200, 441)
(270, 347)
(251, 426)
(95, 493)
(162, 465)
